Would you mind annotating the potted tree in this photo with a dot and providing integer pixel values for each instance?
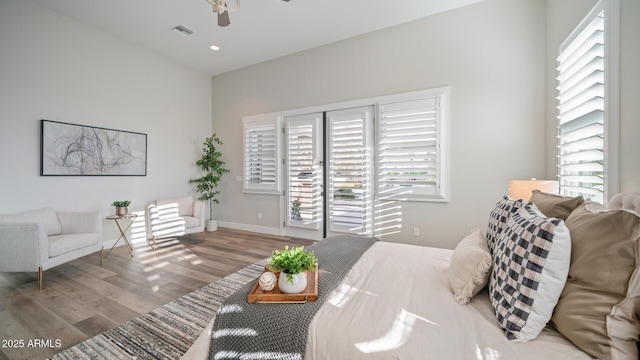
(293, 264)
(206, 185)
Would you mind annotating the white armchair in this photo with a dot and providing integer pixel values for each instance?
(41, 239)
(175, 217)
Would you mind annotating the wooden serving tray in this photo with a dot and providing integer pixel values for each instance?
(275, 296)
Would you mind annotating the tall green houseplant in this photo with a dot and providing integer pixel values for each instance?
(213, 166)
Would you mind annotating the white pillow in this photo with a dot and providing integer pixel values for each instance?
(470, 266)
(530, 265)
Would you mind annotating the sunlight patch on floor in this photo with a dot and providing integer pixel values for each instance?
(162, 246)
(187, 257)
(156, 266)
(166, 255)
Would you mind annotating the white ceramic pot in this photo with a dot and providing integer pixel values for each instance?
(298, 286)
(212, 225)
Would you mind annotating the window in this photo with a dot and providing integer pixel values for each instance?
(409, 161)
(410, 164)
(586, 111)
(262, 154)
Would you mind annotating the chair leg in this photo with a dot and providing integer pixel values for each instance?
(202, 235)
(154, 243)
(40, 275)
(101, 255)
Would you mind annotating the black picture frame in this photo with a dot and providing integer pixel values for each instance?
(80, 150)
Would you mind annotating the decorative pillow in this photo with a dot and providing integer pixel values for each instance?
(597, 308)
(499, 216)
(530, 266)
(469, 267)
(556, 206)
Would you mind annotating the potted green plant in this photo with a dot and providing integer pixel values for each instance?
(295, 209)
(293, 264)
(213, 167)
(121, 207)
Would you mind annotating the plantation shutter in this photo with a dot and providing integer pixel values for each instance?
(261, 155)
(350, 177)
(304, 170)
(409, 149)
(581, 106)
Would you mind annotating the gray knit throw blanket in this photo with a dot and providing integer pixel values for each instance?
(279, 331)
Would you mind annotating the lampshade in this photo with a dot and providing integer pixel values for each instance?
(521, 189)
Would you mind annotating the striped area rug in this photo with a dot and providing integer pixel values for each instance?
(167, 332)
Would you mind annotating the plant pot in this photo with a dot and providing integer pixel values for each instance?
(212, 225)
(122, 211)
(298, 286)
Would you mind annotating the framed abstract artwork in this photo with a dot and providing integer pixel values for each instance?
(80, 150)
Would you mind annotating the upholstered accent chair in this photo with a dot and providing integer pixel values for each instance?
(175, 217)
(41, 239)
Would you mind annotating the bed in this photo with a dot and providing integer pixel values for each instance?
(398, 301)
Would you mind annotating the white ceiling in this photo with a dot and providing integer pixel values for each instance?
(259, 31)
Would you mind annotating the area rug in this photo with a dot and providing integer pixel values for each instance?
(167, 332)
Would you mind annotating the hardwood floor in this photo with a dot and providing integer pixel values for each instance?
(81, 299)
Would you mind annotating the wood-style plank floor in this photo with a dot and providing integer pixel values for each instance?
(81, 299)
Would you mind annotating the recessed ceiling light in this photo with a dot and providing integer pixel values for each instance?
(214, 47)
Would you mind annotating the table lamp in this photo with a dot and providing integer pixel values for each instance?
(521, 189)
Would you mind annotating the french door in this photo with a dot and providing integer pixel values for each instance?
(324, 198)
(350, 171)
(304, 168)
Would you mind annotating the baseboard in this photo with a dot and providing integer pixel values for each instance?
(253, 228)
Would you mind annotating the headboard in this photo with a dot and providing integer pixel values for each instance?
(627, 201)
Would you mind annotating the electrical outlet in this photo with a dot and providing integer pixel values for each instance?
(416, 232)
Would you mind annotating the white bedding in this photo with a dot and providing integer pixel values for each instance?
(396, 303)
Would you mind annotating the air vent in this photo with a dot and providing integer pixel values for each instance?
(182, 30)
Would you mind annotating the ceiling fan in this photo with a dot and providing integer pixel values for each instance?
(220, 7)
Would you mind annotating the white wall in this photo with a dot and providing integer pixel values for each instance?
(562, 17)
(629, 96)
(491, 54)
(52, 67)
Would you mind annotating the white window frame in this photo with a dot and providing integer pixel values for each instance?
(441, 193)
(611, 146)
(257, 121)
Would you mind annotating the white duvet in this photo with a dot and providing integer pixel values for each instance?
(396, 303)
